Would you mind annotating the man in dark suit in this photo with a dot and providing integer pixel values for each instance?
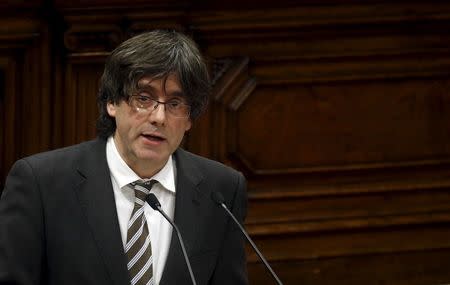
(78, 215)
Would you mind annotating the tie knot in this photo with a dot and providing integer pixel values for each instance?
(142, 189)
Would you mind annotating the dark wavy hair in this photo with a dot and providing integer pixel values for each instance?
(157, 54)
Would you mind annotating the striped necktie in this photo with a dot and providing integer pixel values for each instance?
(138, 248)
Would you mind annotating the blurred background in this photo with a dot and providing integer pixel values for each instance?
(337, 112)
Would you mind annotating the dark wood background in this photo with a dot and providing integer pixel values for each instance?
(337, 112)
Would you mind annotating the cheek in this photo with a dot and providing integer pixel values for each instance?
(126, 119)
(178, 132)
(125, 125)
(119, 121)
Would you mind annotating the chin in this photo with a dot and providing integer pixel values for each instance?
(152, 156)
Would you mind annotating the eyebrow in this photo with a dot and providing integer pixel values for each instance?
(150, 89)
(146, 87)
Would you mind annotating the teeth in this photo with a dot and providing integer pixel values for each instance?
(153, 137)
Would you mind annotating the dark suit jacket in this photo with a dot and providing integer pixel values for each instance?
(58, 221)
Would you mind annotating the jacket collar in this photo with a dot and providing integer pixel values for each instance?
(187, 201)
(96, 197)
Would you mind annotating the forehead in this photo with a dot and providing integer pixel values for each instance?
(167, 83)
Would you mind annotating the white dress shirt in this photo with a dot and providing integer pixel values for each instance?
(160, 230)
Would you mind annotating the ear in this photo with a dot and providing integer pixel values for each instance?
(188, 125)
(111, 108)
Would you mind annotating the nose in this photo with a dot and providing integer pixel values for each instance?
(158, 114)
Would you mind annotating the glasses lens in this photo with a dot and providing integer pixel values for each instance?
(142, 103)
(175, 108)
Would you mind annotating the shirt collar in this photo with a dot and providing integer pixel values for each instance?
(124, 175)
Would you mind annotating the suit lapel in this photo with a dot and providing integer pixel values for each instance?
(187, 209)
(96, 197)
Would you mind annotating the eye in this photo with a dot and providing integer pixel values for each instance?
(174, 104)
(143, 99)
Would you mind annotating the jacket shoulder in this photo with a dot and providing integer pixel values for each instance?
(64, 154)
(205, 164)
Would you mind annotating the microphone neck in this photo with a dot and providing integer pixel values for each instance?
(180, 239)
(255, 248)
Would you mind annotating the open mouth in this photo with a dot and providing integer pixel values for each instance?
(153, 137)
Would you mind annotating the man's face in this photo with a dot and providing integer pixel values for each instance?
(146, 139)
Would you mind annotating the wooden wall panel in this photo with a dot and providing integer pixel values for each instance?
(406, 268)
(79, 99)
(336, 111)
(328, 131)
(7, 105)
(343, 134)
(26, 106)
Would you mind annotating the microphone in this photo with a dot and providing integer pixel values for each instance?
(218, 198)
(154, 203)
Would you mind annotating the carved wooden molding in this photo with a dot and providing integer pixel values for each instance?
(103, 32)
(345, 212)
(18, 33)
(85, 37)
(98, 5)
(353, 242)
(309, 17)
(350, 224)
(232, 85)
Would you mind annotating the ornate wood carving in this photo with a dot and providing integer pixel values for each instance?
(102, 32)
(232, 85)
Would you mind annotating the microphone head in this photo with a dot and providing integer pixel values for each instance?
(153, 201)
(217, 197)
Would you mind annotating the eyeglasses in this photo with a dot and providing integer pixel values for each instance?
(175, 107)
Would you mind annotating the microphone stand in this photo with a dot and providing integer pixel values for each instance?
(218, 198)
(154, 203)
